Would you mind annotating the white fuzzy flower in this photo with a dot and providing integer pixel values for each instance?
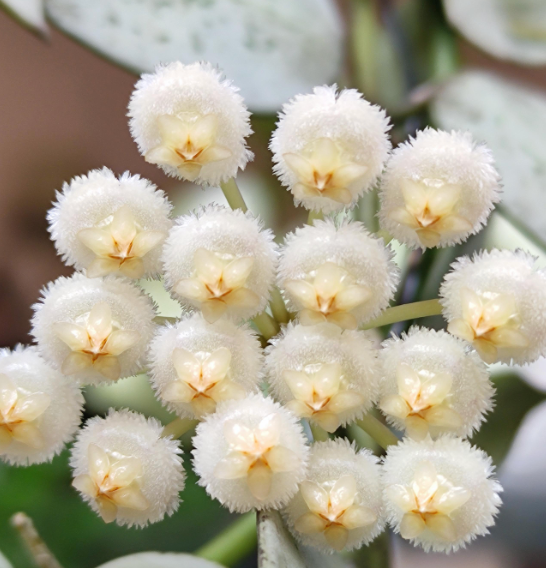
(106, 225)
(195, 364)
(440, 494)
(438, 188)
(329, 147)
(339, 505)
(95, 329)
(431, 383)
(191, 122)
(250, 454)
(125, 470)
(338, 274)
(497, 301)
(40, 409)
(221, 262)
(323, 373)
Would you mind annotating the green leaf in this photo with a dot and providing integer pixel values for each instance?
(277, 549)
(271, 49)
(507, 29)
(513, 400)
(512, 121)
(160, 560)
(29, 13)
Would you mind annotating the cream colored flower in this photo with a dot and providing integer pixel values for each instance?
(331, 296)
(20, 412)
(113, 482)
(321, 396)
(422, 401)
(333, 511)
(202, 381)
(120, 245)
(96, 343)
(218, 283)
(490, 321)
(428, 503)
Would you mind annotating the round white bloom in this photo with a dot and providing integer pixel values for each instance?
(329, 147)
(322, 373)
(438, 188)
(431, 383)
(125, 470)
(497, 301)
(191, 122)
(106, 225)
(338, 274)
(95, 329)
(160, 560)
(250, 454)
(195, 365)
(340, 503)
(439, 494)
(40, 409)
(221, 262)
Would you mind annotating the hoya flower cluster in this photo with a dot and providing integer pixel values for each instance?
(261, 390)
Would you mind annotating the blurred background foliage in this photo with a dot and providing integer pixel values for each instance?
(457, 64)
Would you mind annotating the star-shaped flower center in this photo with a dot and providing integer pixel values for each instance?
(202, 380)
(329, 297)
(19, 413)
(422, 401)
(97, 343)
(428, 503)
(333, 510)
(323, 170)
(218, 283)
(119, 245)
(113, 482)
(321, 395)
(431, 210)
(255, 454)
(187, 143)
(490, 321)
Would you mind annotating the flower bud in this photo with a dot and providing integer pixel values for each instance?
(496, 301)
(105, 225)
(440, 494)
(221, 262)
(95, 329)
(40, 409)
(324, 374)
(191, 122)
(125, 470)
(329, 147)
(195, 365)
(339, 505)
(250, 454)
(342, 274)
(431, 384)
(438, 188)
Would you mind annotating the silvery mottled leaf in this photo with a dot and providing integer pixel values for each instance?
(30, 13)
(512, 121)
(3, 562)
(271, 49)
(160, 560)
(277, 549)
(507, 29)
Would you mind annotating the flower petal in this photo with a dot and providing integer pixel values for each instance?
(5, 440)
(408, 382)
(338, 194)
(268, 430)
(189, 170)
(346, 174)
(99, 322)
(487, 351)
(98, 463)
(259, 480)
(208, 266)
(216, 365)
(226, 390)
(442, 526)
(108, 367)
(187, 365)
(101, 267)
(214, 154)
(145, 241)
(85, 484)
(429, 238)
(172, 129)
(234, 466)
(303, 292)
(356, 517)
(31, 407)
(315, 497)
(163, 156)
(125, 470)
(416, 427)
(238, 436)
(425, 481)
(97, 240)
(76, 362)
(394, 405)
(415, 195)
(498, 311)
(343, 320)
(461, 328)
(344, 401)
(299, 408)
(343, 493)
(310, 317)
(121, 340)
(123, 226)
(412, 526)
(237, 272)
(8, 393)
(336, 536)
(193, 289)
(444, 417)
(436, 388)
(107, 510)
(132, 268)
(178, 391)
(202, 405)
(300, 166)
(281, 459)
(451, 500)
(401, 496)
(442, 200)
(202, 132)
(242, 298)
(328, 421)
(299, 384)
(130, 498)
(329, 280)
(28, 434)
(404, 217)
(327, 379)
(509, 337)
(309, 523)
(213, 310)
(472, 307)
(352, 297)
(72, 335)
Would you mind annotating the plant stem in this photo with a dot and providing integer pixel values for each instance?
(178, 427)
(377, 430)
(233, 195)
(43, 557)
(406, 312)
(278, 308)
(232, 544)
(314, 215)
(266, 325)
